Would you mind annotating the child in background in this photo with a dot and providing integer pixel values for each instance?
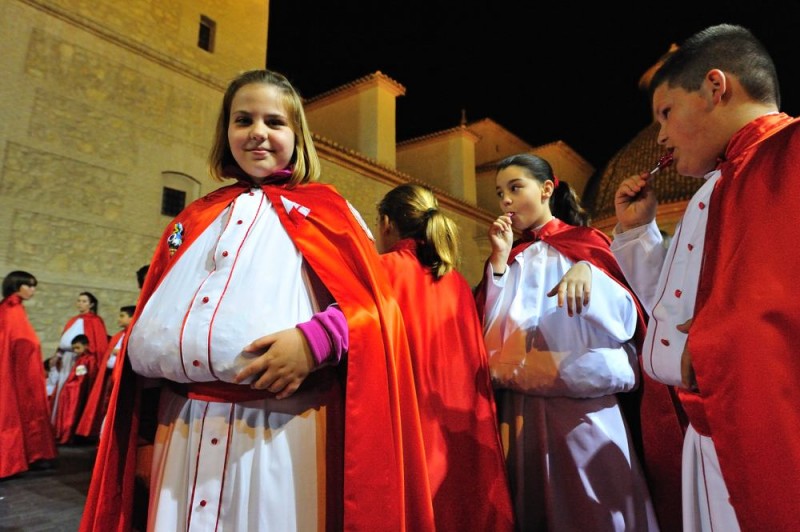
(97, 402)
(141, 273)
(559, 357)
(286, 389)
(72, 399)
(466, 472)
(60, 365)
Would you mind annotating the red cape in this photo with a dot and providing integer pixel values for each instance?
(747, 320)
(70, 406)
(451, 370)
(72, 398)
(97, 402)
(652, 411)
(26, 434)
(384, 483)
(94, 328)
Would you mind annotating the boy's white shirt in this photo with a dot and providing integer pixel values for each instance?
(666, 280)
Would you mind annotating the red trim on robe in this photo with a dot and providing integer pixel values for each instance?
(385, 473)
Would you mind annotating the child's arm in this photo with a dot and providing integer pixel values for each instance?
(599, 299)
(288, 356)
(501, 237)
(574, 288)
(641, 254)
(283, 362)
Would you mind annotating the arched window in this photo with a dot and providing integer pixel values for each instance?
(178, 191)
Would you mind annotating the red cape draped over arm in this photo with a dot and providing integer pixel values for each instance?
(385, 476)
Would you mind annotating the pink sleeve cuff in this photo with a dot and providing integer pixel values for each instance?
(327, 335)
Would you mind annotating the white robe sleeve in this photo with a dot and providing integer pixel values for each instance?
(614, 312)
(640, 253)
(666, 281)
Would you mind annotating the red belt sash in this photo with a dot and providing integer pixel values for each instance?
(228, 392)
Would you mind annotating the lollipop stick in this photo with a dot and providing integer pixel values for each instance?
(663, 162)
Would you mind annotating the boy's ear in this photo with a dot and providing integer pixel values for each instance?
(717, 82)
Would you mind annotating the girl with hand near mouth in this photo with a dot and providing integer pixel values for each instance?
(562, 331)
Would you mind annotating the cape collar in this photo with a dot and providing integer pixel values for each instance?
(530, 236)
(404, 243)
(278, 178)
(547, 228)
(754, 132)
(13, 299)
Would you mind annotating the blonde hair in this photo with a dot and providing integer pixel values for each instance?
(305, 163)
(415, 212)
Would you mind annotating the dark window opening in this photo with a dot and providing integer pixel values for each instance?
(172, 201)
(205, 35)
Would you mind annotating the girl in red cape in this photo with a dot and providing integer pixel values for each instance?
(466, 472)
(268, 330)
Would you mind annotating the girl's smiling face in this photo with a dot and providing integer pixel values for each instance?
(524, 197)
(260, 136)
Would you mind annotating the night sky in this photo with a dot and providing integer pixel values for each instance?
(546, 73)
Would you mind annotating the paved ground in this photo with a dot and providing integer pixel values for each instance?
(48, 500)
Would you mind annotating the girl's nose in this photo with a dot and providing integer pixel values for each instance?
(661, 139)
(258, 133)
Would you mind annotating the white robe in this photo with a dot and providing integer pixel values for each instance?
(665, 280)
(256, 465)
(570, 457)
